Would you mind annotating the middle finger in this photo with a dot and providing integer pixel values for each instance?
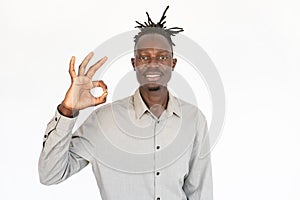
(84, 63)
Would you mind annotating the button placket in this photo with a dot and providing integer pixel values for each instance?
(157, 172)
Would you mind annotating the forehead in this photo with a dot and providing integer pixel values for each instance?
(153, 41)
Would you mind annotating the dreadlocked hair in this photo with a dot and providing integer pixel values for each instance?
(159, 28)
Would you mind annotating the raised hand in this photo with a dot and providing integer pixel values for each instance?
(79, 94)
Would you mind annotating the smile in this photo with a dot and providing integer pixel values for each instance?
(152, 75)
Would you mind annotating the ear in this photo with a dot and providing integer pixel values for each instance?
(133, 63)
(174, 63)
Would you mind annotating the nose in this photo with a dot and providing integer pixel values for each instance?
(153, 61)
(153, 64)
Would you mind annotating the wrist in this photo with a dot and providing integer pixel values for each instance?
(63, 110)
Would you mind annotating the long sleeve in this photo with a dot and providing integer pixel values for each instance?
(198, 184)
(57, 161)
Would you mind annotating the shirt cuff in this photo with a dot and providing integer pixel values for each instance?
(64, 123)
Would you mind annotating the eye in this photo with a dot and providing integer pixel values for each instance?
(145, 58)
(163, 57)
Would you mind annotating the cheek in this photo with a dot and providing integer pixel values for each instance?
(167, 74)
(167, 69)
(139, 73)
(139, 67)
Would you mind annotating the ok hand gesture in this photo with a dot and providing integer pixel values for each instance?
(79, 94)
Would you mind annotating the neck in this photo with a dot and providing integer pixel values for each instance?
(156, 100)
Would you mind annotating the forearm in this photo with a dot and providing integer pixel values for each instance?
(57, 162)
(199, 184)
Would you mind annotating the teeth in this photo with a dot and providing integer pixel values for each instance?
(152, 75)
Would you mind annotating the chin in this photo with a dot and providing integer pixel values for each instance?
(152, 87)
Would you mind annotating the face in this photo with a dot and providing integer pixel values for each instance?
(153, 61)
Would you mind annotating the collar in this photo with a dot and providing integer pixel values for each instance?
(140, 106)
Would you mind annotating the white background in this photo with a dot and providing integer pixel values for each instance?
(254, 45)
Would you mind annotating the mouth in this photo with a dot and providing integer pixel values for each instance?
(153, 77)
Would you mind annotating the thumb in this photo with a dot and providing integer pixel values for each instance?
(101, 99)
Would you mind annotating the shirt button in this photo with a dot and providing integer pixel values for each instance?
(158, 198)
(157, 173)
(157, 147)
(45, 136)
(55, 118)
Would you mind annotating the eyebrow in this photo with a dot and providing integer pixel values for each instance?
(148, 49)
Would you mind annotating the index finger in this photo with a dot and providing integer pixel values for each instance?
(92, 70)
(71, 68)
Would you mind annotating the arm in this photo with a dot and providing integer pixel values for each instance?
(198, 184)
(58, 159)
(57, 162)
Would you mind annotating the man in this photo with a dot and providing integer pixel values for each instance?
(146, 146)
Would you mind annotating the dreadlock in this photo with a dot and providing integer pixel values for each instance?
(159, 28)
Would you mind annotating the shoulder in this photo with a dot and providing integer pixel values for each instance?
(116, 105)
(190, 109)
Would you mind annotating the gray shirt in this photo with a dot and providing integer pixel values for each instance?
(134, 154)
